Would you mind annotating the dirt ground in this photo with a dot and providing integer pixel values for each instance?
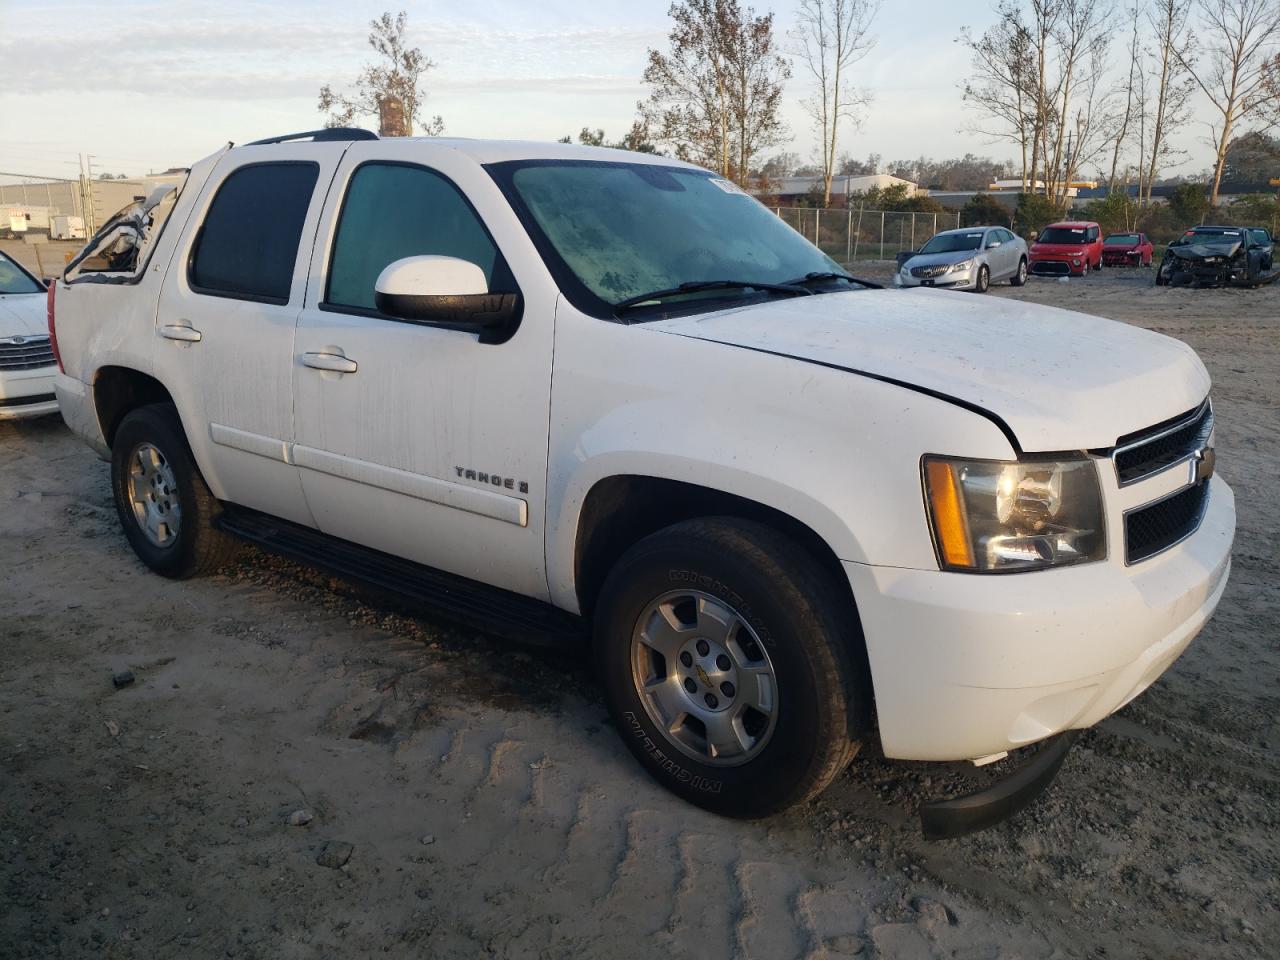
(492, 811)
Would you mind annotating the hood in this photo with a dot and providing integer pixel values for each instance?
(931, 259)
(1059, 380)
(1202, 251)
(23, 315)
(1061, 249)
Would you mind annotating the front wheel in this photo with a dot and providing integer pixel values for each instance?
(1084, 270)
(983, 283)
(164, 506)
(1020, 277)
(732, 665)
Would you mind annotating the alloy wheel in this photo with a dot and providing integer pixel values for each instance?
(153, 494)
(704, 677)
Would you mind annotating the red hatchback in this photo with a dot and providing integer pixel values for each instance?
(1067, 249)
(1127, 250)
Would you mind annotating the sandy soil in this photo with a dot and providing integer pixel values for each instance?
(491, 810)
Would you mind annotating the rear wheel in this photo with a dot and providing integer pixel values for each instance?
(1020, 277)
(164, 506)
(731, 664)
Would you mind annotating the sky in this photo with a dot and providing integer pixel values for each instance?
(148, 85)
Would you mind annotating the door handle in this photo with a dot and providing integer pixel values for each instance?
(333, 362)
(182, 330)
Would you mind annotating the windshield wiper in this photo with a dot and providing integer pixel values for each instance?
(695, 286)
(829, 275)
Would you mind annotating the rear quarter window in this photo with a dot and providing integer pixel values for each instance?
(248, 244)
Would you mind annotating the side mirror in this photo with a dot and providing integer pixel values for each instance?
(993, 244)
(446, 292)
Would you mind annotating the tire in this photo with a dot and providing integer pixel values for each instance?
(1084, 270)
(789, 629)
(983, 283)
(165, 508)
(1020, 277)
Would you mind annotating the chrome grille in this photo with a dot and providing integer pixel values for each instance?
(1141, 455)
(929, 272)
(25, 353)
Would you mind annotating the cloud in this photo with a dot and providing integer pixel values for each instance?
(247, 51)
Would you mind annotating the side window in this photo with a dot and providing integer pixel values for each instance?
(1093, 234)
(1005, 236)
(248, 243)
(392, 211)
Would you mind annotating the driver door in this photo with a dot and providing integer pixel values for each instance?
(419, 441)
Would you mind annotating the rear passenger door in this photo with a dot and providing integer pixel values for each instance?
(431, 446)
(227, 313)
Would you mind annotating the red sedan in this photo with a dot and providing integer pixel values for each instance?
(1067, 249)
(1127, 250)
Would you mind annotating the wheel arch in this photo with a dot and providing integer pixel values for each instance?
(119, 390)
(622, 509)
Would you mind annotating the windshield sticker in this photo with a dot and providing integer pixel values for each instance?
(728, 186)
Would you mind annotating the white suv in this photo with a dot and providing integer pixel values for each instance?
(547, 387)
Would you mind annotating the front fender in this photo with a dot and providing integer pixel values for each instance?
(836, 451)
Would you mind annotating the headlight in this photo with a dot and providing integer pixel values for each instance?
(960, 267)
(990, 516)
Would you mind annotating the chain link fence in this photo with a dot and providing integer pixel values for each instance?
(852, 234)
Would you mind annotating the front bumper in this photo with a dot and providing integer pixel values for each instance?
(1058, 267)
(947, 281)
(27, 393)
(966, 665)
(1128, 258)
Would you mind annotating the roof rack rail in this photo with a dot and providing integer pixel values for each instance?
(317, 136)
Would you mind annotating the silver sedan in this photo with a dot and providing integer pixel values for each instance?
(968, 259)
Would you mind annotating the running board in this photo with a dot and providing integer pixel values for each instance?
(466, 601)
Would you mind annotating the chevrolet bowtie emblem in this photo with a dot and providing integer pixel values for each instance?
(1204, 463)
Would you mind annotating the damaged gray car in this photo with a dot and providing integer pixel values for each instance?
(1219, 256)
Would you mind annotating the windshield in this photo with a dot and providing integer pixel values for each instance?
(953, 242)
(1209, 236)
(1062, 235)
(1122, 239)
(616, 231)
(13, 279)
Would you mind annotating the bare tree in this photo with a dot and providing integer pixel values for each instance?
(1170, 55)
(1080, 40)
(716, 95)
(1125, 120)
(831, 37)
(389, 89)
(1240, 37)
(1002, 89)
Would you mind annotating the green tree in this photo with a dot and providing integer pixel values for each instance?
(1256, 210)
(636, 139)
(984, 209)
(1188, 203)
(1116, 213)
(1035, 212)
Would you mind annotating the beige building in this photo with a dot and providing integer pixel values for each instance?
(63, 197)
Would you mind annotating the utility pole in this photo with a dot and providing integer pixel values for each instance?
(93, 204)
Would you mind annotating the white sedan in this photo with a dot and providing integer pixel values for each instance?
(27, 365)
